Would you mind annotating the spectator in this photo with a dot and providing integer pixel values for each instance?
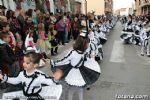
(43, 42)
(21, 20)
(52, 17)
(19, 53)
(5, 28)
(60, 26)
(76, 28)
(7, 56)
(53, 38)
(3, 8)
(14, 24)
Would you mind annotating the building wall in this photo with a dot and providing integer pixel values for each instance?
(83, 7)
(77, 6)
(124, 11)
(96, 5)
(108, 6)
(137, 7)
(142, 7)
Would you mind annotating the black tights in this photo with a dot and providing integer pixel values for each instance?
(54, 50)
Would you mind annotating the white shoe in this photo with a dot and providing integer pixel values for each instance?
(42, 63)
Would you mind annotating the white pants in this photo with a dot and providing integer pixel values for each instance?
(147, 48)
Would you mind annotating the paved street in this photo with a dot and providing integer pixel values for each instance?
(124, 71)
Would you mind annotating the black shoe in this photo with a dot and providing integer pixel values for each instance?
(148, 55)
(88, 89)
(63, 43)
(142, 54)
(53, 54)
(67, 42)
(56, 52)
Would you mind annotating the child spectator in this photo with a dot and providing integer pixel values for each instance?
(53, 38)
(43, 42)
(76, 28)
(29, 40)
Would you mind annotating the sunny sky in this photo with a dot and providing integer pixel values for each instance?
(122, 3)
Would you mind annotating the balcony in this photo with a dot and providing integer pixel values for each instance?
(78, 1)
(108, 10)
(145, 3)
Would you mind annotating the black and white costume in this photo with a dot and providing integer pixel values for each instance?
(137, 30)
(84, 71)
(101, 36)
(32, 84)
(95, 46)
(127, 33)
(145, 39)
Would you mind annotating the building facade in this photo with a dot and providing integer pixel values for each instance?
(77, 6)
(108, 7)
(142, 7)
(55, 6)
(16, 5)
(124, 11)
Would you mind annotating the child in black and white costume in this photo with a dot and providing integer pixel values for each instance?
(94, 46)
(145, 39)
(31, 78)
(137, 30)
(76, 58)
(127, 33)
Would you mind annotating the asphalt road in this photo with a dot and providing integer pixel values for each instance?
(124, 72)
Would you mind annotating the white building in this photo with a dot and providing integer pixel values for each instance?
(26, 4)
(126, 11)
(9, 4)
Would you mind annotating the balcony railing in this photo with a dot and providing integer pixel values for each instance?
(145, 3)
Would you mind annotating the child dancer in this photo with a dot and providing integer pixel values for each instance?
(76, 75)
(31, 78)
(145, 38)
